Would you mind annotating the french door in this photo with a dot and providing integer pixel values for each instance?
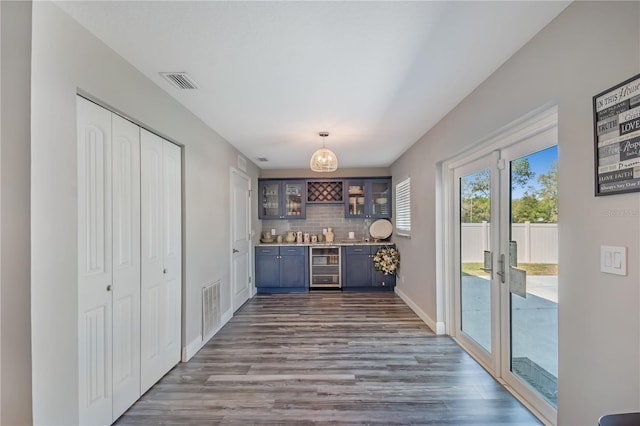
(506, 265)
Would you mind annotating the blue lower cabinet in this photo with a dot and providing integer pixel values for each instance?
(359, 273)
(383, 282)
(357, 267)
(282, 269)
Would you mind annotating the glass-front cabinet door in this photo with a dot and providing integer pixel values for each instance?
(269, 201)
(294, 199)
(368, 198)
(281, 199)
(379, 198)
(354, 201)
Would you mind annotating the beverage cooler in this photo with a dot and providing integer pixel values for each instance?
(325, 268)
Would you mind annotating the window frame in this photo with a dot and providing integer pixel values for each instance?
(403, 207)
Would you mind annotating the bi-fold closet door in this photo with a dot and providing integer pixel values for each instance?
(161, 256)
(129, 333)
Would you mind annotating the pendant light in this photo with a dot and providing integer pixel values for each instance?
(324, 160)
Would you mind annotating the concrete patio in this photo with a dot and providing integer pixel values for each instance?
(534, 326)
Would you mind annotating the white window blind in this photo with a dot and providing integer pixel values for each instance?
(403, 207)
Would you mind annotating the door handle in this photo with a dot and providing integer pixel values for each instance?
(513, 254)
(488, 265)
(501, 272)
(236, 251)
(488, 261)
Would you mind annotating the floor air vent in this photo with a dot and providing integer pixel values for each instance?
(180, 80)
(210, 309)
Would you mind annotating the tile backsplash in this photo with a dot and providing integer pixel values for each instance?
(321, 216)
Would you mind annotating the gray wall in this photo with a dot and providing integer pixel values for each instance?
(15, 87)
(590, 47)
(66, 58)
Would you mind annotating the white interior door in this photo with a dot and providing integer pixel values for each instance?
(172, 250)
(129, 261)
(160, 257)
(94, 264)
(240, 239)
(126, 264)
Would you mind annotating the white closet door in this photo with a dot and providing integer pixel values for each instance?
(126, 264)
(172, 248)
(160, 290)
(94, 264)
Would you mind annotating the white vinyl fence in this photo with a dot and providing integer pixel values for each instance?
(537, 242)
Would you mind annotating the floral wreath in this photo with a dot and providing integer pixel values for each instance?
(387, 260)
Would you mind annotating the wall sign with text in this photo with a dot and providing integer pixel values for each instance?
(616, 133)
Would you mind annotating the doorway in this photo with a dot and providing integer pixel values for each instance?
(240, 238)
(503, 258)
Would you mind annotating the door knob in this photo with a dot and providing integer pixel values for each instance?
(236, 251)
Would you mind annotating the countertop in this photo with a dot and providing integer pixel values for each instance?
(335, 243)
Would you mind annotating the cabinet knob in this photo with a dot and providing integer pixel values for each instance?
(164, 271)
(109, 287)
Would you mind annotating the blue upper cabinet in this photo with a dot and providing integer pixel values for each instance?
(281, 199)
(368, 198)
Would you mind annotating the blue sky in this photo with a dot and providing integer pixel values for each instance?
(540, 163)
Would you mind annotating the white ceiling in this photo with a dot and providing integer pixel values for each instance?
(376, 75)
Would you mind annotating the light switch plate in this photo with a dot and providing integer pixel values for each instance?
(613, 260)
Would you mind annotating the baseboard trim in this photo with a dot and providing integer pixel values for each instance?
(192, 348)
(436, 327)
(198, 343)
(224, 319)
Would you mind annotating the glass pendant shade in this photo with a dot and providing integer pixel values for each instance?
(324, 160)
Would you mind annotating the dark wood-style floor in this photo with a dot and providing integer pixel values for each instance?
(328, 358)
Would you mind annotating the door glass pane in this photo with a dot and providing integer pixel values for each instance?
(293, 200)
(356, 198)
(380, 195)
(475, 284)
(534, 231)
(270, 203)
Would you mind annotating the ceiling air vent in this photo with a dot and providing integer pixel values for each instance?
(262, 159)
(180, 80)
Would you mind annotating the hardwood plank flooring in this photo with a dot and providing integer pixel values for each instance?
(328, 358)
